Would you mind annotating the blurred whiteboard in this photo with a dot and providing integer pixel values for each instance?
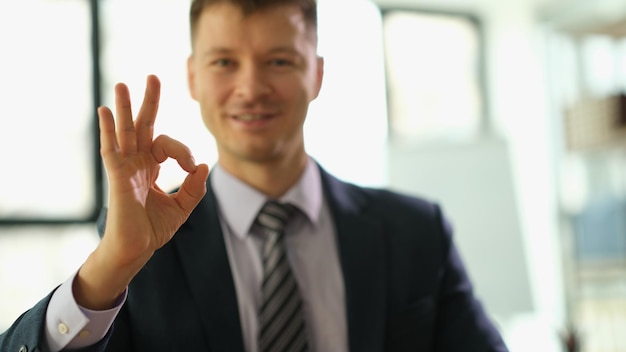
(473, 183)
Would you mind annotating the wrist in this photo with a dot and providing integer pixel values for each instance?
(100, 281)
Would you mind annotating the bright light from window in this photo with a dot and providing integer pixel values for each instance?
(346, 129)
(47, 112)
(432, 66)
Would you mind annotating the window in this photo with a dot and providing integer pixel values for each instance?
(434, 75)
(47, 125)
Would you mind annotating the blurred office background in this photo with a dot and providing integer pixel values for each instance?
(511, 114)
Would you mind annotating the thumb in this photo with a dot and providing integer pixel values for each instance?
(193, 189)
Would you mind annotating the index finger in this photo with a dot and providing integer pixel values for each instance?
(166, 147)
(144, 124)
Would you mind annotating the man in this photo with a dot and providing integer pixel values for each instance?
(360, 269)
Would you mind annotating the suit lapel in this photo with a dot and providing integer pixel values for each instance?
(202, 250)
(362, 252)
(205, 264)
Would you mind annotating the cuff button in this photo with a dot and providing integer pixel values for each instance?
(62, 328)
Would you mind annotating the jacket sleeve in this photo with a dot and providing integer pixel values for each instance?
(27, 333)
(463, 324)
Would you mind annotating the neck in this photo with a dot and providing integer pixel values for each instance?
(272, 178)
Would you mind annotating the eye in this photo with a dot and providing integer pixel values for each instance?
(279, 62)
(223, 62)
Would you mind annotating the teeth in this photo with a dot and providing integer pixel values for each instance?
(249, 117)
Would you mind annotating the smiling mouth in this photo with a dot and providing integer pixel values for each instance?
(251, 117)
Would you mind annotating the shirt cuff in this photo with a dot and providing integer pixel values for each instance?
(71, 326)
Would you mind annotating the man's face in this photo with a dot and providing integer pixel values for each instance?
(254, 78)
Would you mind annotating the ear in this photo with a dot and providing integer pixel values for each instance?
(191, 77)
(319, 76)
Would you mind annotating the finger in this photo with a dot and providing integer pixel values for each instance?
(108, 139)
(193, 189)
(165, 147)
(147, 113)
(126, 136)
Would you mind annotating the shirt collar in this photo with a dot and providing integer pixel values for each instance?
(239, 203)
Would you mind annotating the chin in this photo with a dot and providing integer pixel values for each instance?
(259, 154)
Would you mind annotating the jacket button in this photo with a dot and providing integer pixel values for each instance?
(23, 348)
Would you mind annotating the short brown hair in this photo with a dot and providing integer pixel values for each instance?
(308, 7)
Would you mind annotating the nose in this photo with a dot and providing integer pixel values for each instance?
(251, 83)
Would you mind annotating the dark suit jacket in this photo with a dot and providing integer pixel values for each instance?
(406, 288)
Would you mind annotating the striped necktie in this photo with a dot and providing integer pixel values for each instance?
(281, 316)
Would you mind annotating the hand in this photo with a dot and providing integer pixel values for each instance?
(141, 217)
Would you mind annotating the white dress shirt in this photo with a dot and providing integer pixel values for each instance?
(311, 250)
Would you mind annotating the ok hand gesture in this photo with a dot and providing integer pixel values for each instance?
(141, 217)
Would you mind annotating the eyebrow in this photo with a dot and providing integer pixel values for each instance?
(226, 51)
(217, 51)
(284, 49)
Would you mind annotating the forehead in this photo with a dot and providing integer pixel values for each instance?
(224, 25)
